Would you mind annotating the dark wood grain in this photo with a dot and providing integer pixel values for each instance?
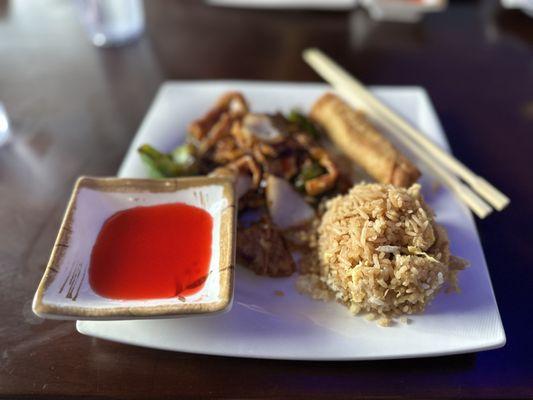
(75, 108)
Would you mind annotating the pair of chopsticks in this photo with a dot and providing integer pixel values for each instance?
(479, 197)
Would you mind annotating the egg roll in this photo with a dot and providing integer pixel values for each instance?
(355, 136)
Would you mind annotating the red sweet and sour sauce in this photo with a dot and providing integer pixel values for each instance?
(152, 252)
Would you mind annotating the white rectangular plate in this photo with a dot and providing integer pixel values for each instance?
(262, 324)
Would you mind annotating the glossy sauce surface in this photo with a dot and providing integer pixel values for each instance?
(152, 252)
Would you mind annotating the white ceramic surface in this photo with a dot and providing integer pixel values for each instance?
(287, 4)
(401, 11)
(265, 325)
(65, 292)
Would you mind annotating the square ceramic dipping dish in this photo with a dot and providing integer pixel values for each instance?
(65, 292)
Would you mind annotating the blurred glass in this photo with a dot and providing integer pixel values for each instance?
(4, 125)
(111, 22)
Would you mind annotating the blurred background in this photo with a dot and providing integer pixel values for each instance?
(64, 94)
(74, 107)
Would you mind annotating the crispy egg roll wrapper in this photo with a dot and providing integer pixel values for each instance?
(355, 136)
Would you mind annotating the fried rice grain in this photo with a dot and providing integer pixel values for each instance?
(380, 252)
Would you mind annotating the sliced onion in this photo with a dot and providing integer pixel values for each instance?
(286, 206)
(262, 127)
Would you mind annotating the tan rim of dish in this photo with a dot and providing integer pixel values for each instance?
(125, 185)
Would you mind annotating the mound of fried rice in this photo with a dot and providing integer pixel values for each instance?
(380, 252)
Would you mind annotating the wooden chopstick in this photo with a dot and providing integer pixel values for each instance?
(473, 201)
(351, 87)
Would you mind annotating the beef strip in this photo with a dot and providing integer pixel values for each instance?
(262, 249)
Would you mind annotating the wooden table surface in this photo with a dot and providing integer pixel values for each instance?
(74, 109)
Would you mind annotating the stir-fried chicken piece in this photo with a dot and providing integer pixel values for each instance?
(243, 140)
(323, 182)
(245, 172)
(259, 134)
(220, 129)
(232, 103)
(226, 151)
(247, 164)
